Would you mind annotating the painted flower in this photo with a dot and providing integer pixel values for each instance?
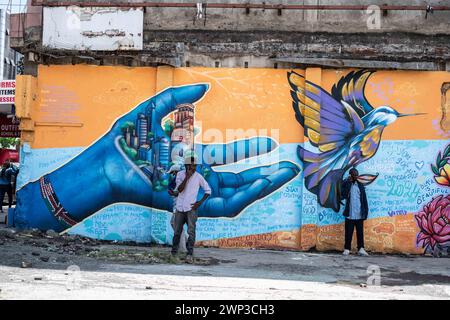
(434, 222)
(444, 176)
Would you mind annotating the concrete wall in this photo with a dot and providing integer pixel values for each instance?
(262, 38)
(79, 174)
(297, 20)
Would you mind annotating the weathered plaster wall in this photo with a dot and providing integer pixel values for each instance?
(294, 20)
(263, 38)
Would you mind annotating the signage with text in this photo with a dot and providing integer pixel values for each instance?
(7, 91)
(9, 126)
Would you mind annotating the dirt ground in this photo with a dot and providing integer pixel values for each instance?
(36, 265)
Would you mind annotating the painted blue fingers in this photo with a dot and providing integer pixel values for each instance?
(219, 154)
(232, 180)
(249, 186)
(167, 100)
(163, 103)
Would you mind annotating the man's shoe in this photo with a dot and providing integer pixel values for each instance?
(362, 252)
(346, 252)
(190, 258)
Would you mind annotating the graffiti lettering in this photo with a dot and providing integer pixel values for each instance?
(397, 213)
(432, 192)
(399, 189)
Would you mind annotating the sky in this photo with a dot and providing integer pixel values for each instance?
(16, 5)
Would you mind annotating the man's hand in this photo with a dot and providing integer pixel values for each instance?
(195, 205)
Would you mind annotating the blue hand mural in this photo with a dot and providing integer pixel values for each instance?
(344, 129)
(130, 163)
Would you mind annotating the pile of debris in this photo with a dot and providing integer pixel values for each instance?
(53, 247)
(51, 241)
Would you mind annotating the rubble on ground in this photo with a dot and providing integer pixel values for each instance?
(52, 247)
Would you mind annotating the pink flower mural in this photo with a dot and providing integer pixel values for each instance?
(434, 223)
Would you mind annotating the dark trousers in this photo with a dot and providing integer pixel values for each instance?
(6, 189)
(190, 218)
(349, 227)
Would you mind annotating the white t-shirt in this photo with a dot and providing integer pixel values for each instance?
(188, 197)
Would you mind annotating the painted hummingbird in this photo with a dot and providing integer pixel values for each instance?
(343, 129)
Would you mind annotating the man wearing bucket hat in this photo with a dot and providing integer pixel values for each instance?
(188, 183)
(174, 169)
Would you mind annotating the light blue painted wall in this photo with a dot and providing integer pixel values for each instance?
(404, 185)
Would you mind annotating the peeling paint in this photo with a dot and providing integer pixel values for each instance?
(109, 33)
(78, 28)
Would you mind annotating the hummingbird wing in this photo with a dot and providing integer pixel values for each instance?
(306, 110)
(351, 90)
(328, 123)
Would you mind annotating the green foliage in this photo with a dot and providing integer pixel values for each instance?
(130, 125)
(9, 142)
(206, 172)
(130, 152)
(157, 186)
(168, 126)
(441, 160)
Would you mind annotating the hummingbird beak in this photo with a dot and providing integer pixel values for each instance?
(410, 114)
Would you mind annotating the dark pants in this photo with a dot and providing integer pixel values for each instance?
(349, 227)
(181, 218)
(6, 189)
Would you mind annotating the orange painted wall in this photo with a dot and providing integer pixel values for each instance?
(262, 95)
(101, 93)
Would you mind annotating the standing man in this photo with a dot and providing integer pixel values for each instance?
(6, 176)
(173, 171)
(188, 183)
(355, 212)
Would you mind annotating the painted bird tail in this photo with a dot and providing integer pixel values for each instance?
(325, 184)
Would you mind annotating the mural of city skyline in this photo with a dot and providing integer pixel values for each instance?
(155, 155)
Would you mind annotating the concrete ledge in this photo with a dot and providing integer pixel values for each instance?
(365, 64)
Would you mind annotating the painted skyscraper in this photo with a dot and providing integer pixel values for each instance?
(184, 125)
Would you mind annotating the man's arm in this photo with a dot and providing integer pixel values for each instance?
(8, 174)
(181, 182)
(207, 189)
